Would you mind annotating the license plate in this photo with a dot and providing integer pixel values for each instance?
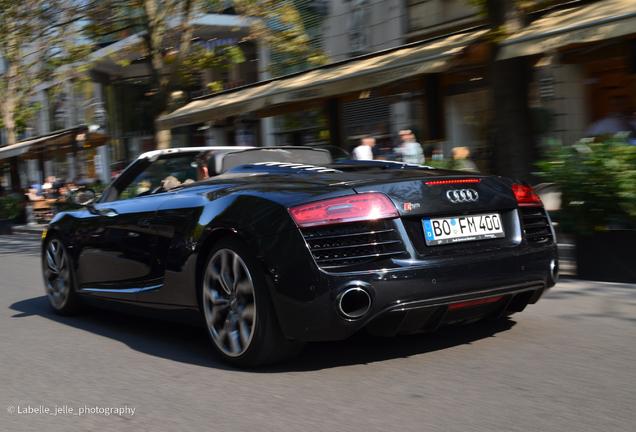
(462, 228)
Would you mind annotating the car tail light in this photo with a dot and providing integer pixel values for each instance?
(444, 182)
(345, 209)
(526, 196)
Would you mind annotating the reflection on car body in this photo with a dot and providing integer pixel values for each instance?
(280, 246)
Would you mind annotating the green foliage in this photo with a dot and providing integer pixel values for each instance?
(174, 57)
(199, 59)
(10, 208)
(215, 86)
(24, 114)
(279, 26)
(442, 163)
(498, 34)
(98, 188)
(37, 40)
(596, 181)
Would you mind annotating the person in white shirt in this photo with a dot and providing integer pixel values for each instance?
(364, 150)
(410, 151)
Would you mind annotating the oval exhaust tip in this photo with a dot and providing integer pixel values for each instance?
(554, 270)
(353, 303)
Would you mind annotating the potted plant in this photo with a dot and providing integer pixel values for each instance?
(10, 208)
(597, 181)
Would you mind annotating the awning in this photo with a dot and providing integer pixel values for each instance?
(61, 142)
(353, 75)
(593, 22)
(21, 148)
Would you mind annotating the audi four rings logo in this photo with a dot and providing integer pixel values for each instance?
(462, 195)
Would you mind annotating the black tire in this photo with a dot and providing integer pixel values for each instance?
(238, 311)
(59, 278)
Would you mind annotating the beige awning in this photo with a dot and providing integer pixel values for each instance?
(593, 22)
(336, 79)
(56, 143)
(23, 148)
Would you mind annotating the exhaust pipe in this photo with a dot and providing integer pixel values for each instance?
(554, 270)
(353, 303)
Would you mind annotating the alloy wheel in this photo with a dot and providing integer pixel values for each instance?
(57, 274)
(229, 302)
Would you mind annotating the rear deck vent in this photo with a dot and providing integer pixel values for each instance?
(536, 225)
(353, 243)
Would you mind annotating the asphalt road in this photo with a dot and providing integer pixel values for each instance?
(564, 364)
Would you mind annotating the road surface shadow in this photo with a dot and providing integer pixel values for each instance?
(165, 339)
(190, 344)
(364, 348)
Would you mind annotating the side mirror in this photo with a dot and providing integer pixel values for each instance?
(83, 197)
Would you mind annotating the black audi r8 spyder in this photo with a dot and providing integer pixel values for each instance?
(280, 246)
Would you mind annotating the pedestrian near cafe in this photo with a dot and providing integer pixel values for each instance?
(410, 151)
(461, 160)
(364, 150)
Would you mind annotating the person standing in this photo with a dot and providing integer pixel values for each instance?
(461, 160)
(37, 186)
(364, 150)
(410, 151)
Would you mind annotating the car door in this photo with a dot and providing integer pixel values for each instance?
(118, 244)
(117, 239)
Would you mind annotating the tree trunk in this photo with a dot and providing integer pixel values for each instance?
(15, 174)
(514, 147)
(163, 138)
(9, 124)
(154, 39)
(9, 103)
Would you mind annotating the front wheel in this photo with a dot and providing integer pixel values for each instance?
(238, 310)
(58, 278)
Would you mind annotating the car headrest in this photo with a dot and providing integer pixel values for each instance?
(215, 163)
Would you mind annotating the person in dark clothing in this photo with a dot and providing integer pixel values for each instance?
(202, 164)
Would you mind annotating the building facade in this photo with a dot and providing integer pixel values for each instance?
(347, 29)
(117, 100)
(416, 64)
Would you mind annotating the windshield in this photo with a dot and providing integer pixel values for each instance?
(161, 176)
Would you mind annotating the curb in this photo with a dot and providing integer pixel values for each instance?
(29, 229)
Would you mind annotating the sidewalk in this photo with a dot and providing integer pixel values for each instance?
(29, 229)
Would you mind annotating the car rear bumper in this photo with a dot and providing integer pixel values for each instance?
(315, 305)
(428, 315)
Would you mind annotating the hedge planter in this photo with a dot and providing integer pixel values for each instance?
(6, 226)
(607, 256)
